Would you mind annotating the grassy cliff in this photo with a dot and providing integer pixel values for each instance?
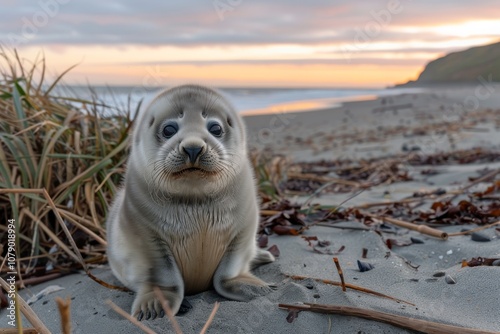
(463, 66)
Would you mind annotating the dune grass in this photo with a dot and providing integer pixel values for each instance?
(65, 146)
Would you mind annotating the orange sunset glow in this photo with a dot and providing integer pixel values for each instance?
(373, 44)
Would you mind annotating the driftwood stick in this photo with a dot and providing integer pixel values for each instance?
(16, 331)
(480, 228)
(269, 212)
(341, 274)
(433, 232)
(37, 280)
(350, 286)
(388, 318)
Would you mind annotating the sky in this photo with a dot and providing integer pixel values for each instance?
(244, 43)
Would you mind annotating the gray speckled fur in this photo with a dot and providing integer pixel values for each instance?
(186, 232)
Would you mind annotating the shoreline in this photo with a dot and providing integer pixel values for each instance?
(315, 105)
(434, 121)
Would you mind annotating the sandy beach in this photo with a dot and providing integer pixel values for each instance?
(431, 146)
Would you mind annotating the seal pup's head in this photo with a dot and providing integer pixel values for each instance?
(189, 142)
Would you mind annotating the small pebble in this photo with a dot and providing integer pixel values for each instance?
(496, 263)
(416, 240)
(310, 286)
(439, 274)
(476, 236)
(450, 280)
(449, 252)
(365, 266)
(440, 191)
(316, 295)
(413, 279)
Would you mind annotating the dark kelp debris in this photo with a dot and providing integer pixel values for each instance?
(319, 243)
(479, 261)
(274, 250)
(285, 220)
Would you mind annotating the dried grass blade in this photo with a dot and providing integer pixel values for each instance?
(65, 229)
(54, 84)
(130, 318)
(65, 312)
(27, 311)
(52, 235)
(210, 318)
(16, 97)
(167, 309)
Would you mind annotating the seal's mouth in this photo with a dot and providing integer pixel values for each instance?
(194, 171)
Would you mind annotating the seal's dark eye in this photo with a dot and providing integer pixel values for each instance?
(215, 129)
(169, 130)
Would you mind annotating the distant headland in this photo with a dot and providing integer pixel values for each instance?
(461, 67)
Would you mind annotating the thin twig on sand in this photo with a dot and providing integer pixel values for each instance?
(210, 318)
(350, 286)
(130, 318)
(480, 228)
(167, 309)
(392, 319)
(419, 228)
(16, 331)
(341, 274)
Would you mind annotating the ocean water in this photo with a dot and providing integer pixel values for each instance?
(245, 100)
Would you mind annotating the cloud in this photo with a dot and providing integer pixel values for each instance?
(197, 22)
(297, 62)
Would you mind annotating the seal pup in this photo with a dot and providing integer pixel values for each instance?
(187, 216)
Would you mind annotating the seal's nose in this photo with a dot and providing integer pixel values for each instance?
(193, 152)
